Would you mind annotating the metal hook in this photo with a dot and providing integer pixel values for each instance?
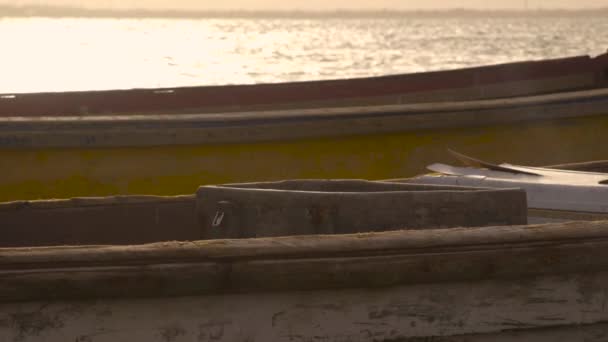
(217, 220)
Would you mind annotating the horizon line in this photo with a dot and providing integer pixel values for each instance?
(72, 11)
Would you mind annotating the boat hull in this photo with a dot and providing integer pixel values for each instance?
(567, 308)
(486, 82)
(33, 173)
(530, 283)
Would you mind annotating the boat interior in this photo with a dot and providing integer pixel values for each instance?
(132, 220)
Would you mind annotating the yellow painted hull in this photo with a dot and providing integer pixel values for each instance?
(177, 169)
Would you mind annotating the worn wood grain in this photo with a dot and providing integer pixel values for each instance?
(304, 263)
(304, 207)
(14, 206)
(119, 220)
(550, 308)
(317, 245)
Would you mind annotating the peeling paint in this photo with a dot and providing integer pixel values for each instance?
(172, 332)
(34, 324)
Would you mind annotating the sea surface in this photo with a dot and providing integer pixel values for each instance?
(60, 54)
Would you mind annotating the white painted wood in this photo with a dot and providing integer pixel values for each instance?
(551, 189)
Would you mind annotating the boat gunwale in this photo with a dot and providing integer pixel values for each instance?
(303, 263)
(532, 63)
(405, 241)
(586, 70)
(266, 126)
(90, 201)
(330, 113)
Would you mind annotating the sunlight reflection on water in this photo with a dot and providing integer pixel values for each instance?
(40, 54)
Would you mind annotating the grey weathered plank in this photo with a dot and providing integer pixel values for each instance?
(553, 308)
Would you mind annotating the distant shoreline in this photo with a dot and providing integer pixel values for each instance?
(73, 12)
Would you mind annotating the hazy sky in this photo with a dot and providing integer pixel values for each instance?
(317, 4)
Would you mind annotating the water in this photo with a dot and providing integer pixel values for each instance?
(44, 54)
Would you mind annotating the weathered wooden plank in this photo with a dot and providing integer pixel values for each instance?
(576, 333)
(89, 221)
(555, 308)
(406, 241)
(14, 206)
(305, 207)
(149, 271)
(547, 216)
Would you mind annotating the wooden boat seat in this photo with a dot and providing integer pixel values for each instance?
(308, 207)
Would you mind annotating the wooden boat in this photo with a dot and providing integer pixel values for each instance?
(499, 283)
(509, 283)
(72, 156)
(496, 81)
